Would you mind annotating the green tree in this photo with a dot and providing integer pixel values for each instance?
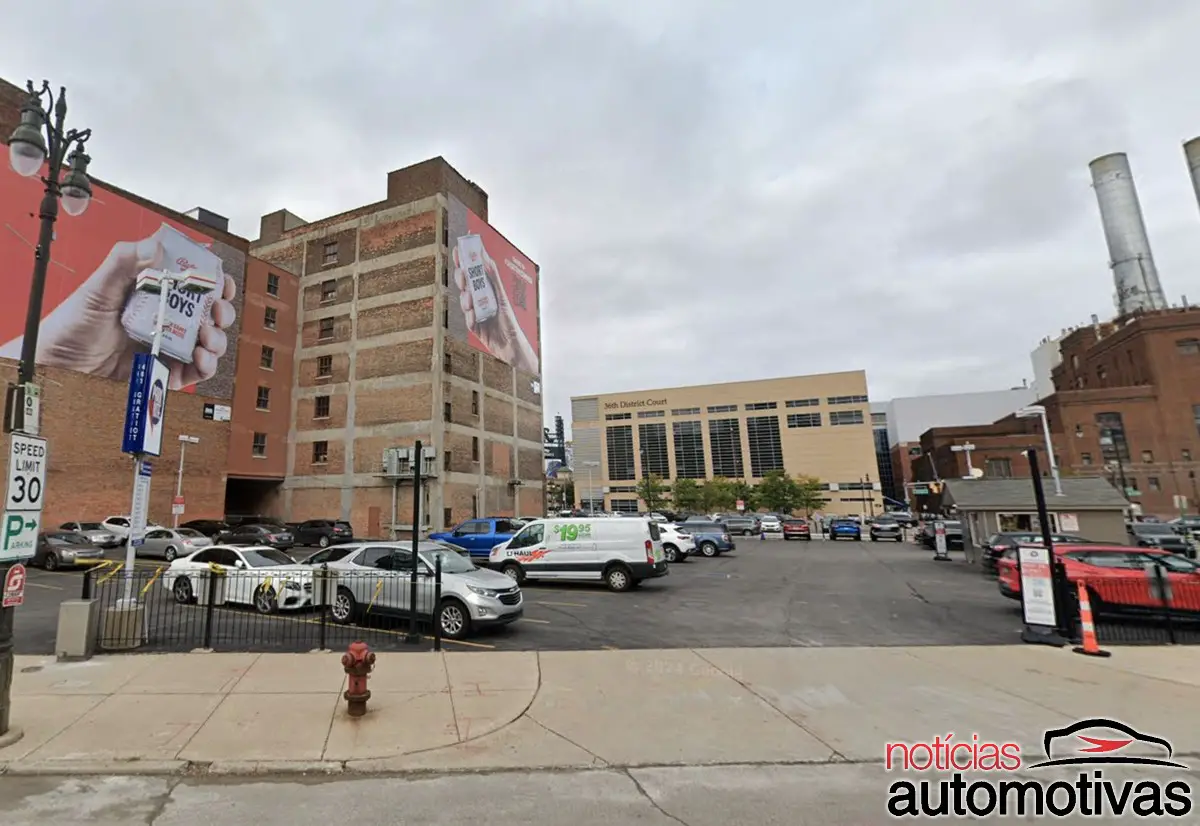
(745, 492)
(652, 490)
(687, 495)
(809, 495)
(718, 495)
(778, 492)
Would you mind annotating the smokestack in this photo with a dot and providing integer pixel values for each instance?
(1191, 151)
(1134, 273)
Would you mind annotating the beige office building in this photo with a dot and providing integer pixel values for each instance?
(817, 426)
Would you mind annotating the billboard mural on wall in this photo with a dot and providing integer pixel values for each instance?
(95, 318)
(497, 307)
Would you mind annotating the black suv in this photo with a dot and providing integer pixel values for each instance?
(271, 535)
(322, 532)
(1158, 535)
(212, 528)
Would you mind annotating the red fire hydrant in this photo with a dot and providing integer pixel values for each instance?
(358, 661)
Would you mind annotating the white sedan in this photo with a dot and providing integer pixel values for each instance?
(263, 577)
(118, 526)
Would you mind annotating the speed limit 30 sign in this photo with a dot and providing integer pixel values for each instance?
(26, 473)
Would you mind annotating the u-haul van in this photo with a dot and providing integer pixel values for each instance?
(618, 552)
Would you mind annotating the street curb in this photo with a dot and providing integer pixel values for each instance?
(75, 768)
(261, 767)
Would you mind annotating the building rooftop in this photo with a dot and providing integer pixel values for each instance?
(1080, 493)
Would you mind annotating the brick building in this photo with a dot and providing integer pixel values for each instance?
(377, 367)
(1126, 407)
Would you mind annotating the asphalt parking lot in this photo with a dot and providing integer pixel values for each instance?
(767, 593)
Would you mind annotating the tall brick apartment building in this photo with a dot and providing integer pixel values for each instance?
(1126, 407)
(376, 367)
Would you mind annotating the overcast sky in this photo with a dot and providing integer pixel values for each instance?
(714, 190)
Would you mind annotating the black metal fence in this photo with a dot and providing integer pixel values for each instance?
(1155, 608)
(226, 609)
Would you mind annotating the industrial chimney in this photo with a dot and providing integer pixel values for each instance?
(1191, 151)
(1134, 273)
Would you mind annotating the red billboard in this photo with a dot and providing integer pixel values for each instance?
(497, 308)
(94, 317)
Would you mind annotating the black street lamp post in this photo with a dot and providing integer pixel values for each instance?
(40, 144)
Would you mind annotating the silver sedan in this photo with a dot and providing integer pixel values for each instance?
(94, 531)
(171, 543)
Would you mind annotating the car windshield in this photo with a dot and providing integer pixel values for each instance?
(267, 558)
(343, 525)
(90, 526)
(452, 561)
(188, 532)
(885, 520)
(1153, 529)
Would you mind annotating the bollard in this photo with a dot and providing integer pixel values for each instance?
(437, 601)
(358, 662)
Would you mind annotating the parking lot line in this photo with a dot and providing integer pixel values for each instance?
(539, 622)
(33, 584)
(563, 604)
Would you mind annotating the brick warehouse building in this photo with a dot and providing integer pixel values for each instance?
(379, 366)
(1136, 381)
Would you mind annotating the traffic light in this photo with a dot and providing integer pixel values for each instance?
(935, 487)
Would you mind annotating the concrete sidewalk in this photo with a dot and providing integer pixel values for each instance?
(276, 713)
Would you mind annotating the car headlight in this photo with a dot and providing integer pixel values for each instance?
(483, 592)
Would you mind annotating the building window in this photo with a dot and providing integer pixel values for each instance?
(617, 417)
(837, 417)
(1147, 457)
(320, 453)
(1132, 483)
(766, 449)
(273, 284)
(722, 408)
(914, 451)
(1196, 416)
(321, 407)
(331, 253)
(270, 317)
(689, 450)
(998, 468)
(1188, 346)
(1112, 436)
(447, 411)
(802, 403)
(445, 228)
(1153, 483)
(263, 402)
(619, 441)
(267, 359)
(474, 507)
(325, 329)
(651, 414)
(447, 518)
(446, 318)
(447, 362)
(1185, 455)
(474, 402)
(653, 441)
(847, 400)
(445, 271)
(258, 446)
(328, 290)
(1101, 374)
(1085, 458)
(324, 367)
(474, 448)
(446, 457)
(804, 420)
(686, 411)
(761, 406)
(725, 440)
(624, 505)
(879, 420)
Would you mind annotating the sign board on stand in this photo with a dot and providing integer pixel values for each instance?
(14, 587)
(1037, 586)
(940, 552)
(141, 503)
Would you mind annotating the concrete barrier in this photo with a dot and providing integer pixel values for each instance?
(77, 623)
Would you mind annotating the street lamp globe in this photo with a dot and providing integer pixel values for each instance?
(76, 188)
(27, 147)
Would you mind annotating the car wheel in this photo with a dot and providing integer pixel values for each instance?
(182, 590)
(899, 538)
(618, 578)
(671, 552)
(50, 562)
(453, 619)
(323, 541)
(514, 571)
(265, 601)
(343, 608)
(170, 553)
(874, 538)
(708, 549)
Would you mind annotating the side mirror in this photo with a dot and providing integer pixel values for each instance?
(239, 564)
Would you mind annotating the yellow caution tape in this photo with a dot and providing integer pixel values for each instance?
(216, 569)
(116, 570)
(153, 579)
(378, 588)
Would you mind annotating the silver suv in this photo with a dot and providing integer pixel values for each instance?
(374, 578)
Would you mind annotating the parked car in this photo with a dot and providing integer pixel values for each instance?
(212, 528)
(323, 532)
(677, 543)
(1186, 526)
(906, 518)
(1158, 535)
(255, 519)
(998, 543)
(797, 529)
(769, 523)
(96, 533)
(65, 549)
(845, 529)
(271, 536)
(119, 527)
(261, 576)
(471, 597)
(954, 534)
(621, 553)
(711, 538)
(740, 523)
(171, 543)
(885, 527)
(1115, 576)
(319, 557)
(479, 536)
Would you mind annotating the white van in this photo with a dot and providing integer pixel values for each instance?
(618, 552)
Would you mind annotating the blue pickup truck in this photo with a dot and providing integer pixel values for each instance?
(479, 536)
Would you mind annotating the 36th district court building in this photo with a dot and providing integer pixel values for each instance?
(817, 426)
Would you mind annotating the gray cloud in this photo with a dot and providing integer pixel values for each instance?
(713, 191)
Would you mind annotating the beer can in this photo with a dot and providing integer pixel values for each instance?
(483, 296)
